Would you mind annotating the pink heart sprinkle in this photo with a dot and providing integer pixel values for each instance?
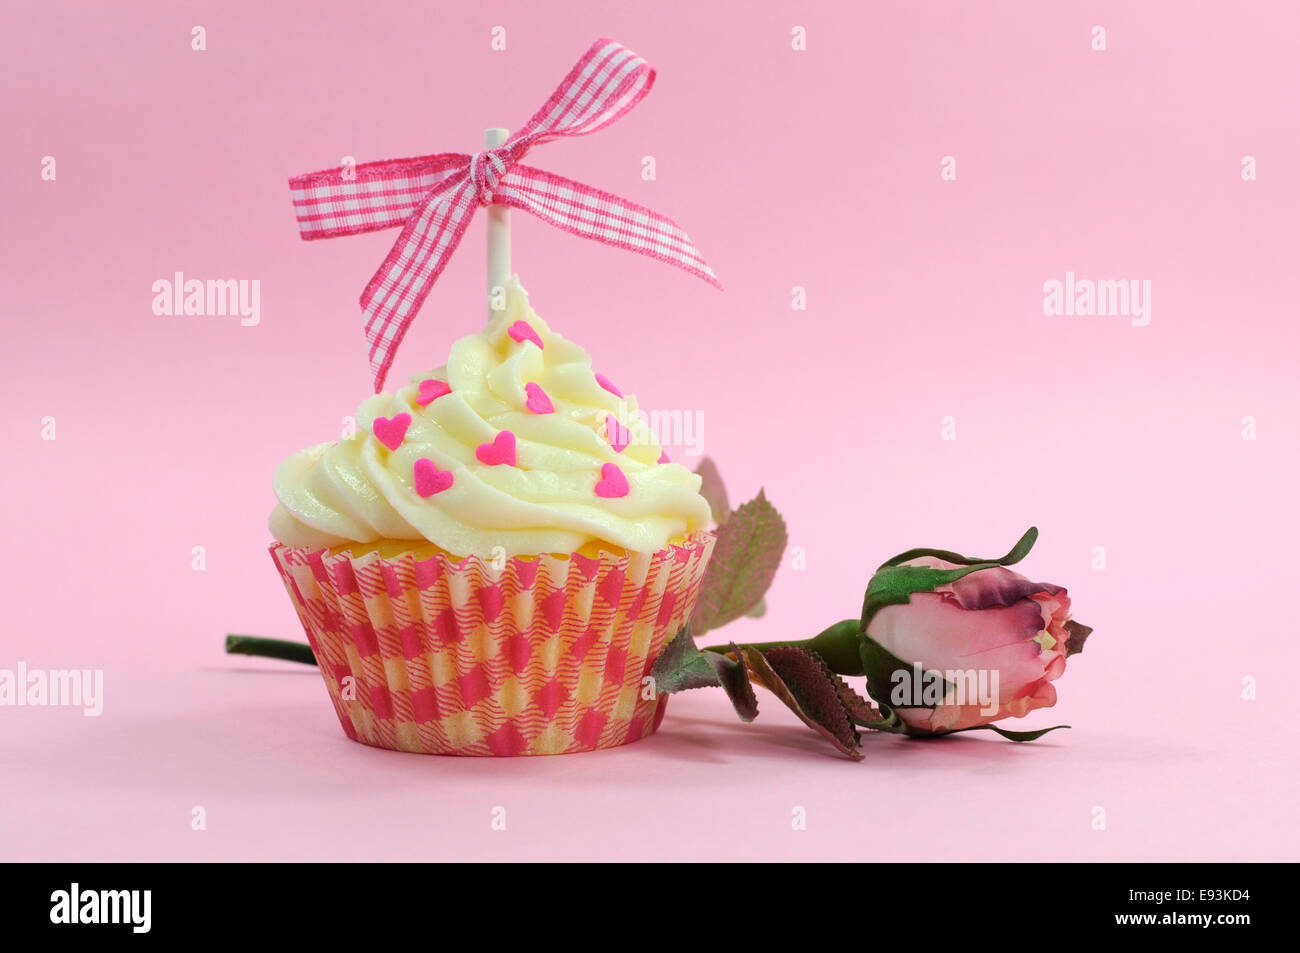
(523, 331)
(500, 450)
(617, 435)
(429, 479)
(613, 483)
(391, 433)
(663, 457)
(605, 382)
(431, 390)
(537, 401)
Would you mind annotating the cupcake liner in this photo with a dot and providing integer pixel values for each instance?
(544, 655)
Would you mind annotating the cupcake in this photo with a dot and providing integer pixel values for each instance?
(493, 562)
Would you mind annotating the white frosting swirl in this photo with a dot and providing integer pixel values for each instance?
(358, 490)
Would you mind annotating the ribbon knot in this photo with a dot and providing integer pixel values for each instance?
(486, 169)
(433, 198)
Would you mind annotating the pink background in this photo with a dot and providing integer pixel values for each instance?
(817, 168)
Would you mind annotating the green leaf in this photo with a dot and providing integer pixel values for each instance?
(1078, 635)
(860, 711)
(713, 490)
(681, 666)
(894, 585)
(808, 688)
(879, 665)
(735, 682)
(1005, 733)
(759, 610)
(751, 542)
(1018, 552)
(270, 648)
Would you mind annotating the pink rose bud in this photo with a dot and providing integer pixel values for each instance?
(974, 650)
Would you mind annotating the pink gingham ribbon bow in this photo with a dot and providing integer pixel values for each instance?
(434, 197)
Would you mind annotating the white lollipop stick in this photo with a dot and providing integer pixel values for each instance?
(498, 230)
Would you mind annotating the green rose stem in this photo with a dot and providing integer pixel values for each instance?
(836, 644)
(270, 648)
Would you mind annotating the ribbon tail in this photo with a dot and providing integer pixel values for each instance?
(601, 216)
(395, 293)
(607, 82)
